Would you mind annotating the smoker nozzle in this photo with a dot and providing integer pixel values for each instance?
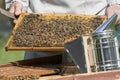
(108, 24)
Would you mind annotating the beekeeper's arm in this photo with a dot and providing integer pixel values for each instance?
(114, 6)
(17, 6)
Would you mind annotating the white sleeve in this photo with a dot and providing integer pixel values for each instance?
(24, 2)
(110, 2)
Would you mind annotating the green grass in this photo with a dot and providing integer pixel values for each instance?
(8, 56)
(5, 31)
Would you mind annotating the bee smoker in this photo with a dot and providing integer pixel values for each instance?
(98, 52)
(106, 50)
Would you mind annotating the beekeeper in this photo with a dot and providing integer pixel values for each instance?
(100, 7)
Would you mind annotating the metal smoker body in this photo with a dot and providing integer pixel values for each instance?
(106, 50)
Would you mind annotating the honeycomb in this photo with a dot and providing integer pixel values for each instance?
(53, 30)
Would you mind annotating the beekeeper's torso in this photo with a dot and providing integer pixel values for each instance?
(68, 6)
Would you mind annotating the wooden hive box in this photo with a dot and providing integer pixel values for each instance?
(32, 69)
(41, 69)
(48, 32)
(105, 75)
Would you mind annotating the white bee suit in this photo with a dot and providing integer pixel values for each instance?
(62, 6)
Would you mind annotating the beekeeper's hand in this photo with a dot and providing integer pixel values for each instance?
(112, 9)
(16, 8)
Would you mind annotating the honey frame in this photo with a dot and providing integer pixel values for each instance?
(10, 47)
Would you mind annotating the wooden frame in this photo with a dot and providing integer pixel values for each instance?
(10, 47)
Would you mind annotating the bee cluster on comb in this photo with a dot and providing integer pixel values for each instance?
(45, 30)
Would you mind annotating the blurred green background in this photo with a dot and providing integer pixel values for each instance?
(5, 31)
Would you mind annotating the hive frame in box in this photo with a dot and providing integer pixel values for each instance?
(10, 47)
